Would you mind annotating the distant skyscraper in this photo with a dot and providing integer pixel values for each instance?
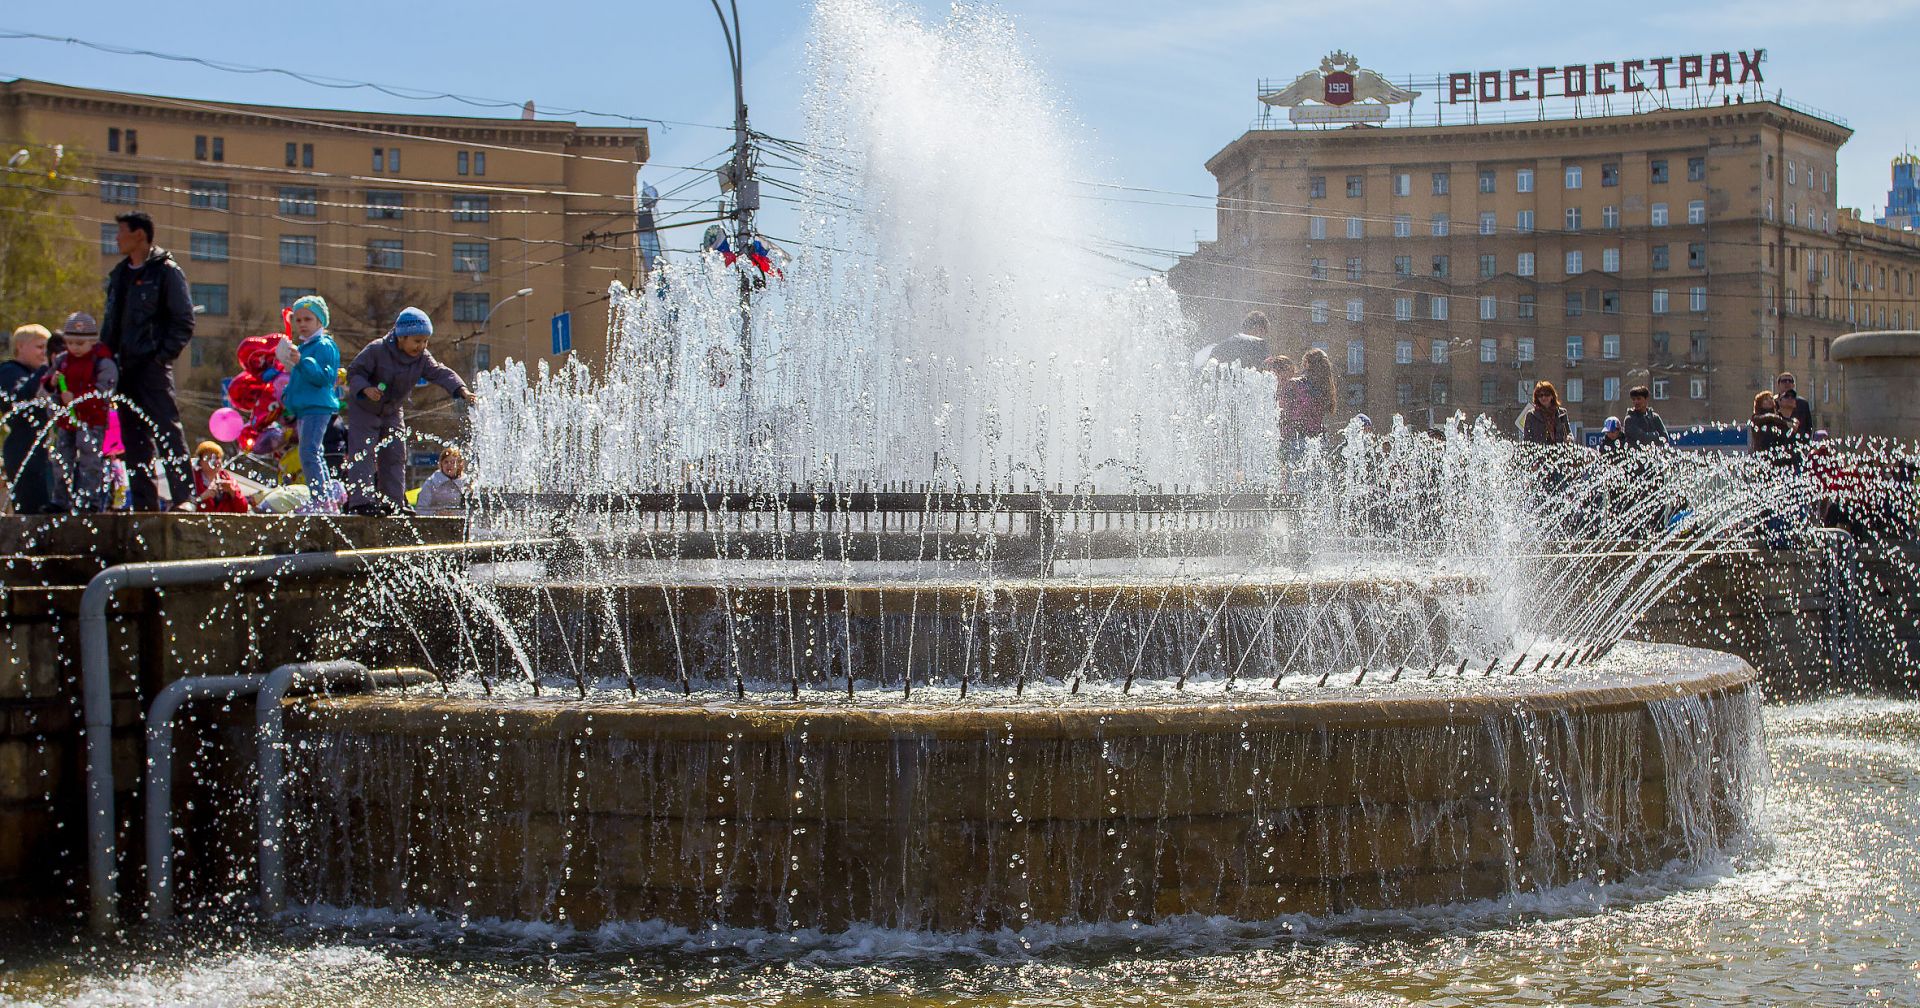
(1903, 200)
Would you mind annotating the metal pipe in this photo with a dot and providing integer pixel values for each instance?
(159, 796)
(96, 684)
(271, 805)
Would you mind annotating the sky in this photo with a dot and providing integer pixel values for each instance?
(1158, 87)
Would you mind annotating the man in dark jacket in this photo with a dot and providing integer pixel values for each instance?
(26, 415)
(1642, 427)
(148, 321)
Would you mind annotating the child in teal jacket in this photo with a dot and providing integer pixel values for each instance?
(310, 399)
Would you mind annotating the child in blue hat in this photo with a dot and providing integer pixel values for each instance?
(380, 381)
(310, 400)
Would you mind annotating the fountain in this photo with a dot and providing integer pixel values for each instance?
(979, 618)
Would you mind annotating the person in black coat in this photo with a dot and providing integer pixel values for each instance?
(148, 321)
(26, 415)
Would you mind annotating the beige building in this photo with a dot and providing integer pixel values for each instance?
(262, 204)
(1695, 251)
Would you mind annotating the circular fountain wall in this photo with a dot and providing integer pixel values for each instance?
(1439, 786)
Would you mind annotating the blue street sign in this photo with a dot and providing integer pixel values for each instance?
(425, 458)
(562, 333)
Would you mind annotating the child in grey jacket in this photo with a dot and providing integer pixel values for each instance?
(380, 382)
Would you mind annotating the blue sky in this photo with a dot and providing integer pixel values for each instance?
(1159, 86)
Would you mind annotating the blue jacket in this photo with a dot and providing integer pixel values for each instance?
(310, 384)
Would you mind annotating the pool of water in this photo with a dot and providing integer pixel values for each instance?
(1820, 911)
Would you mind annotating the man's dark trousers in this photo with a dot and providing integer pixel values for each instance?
(149, 386)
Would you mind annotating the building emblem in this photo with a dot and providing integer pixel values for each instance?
(1339, 92)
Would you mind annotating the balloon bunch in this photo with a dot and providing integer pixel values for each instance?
(253, 408)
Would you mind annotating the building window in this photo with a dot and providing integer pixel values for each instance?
(211, 299)
(1439, 392)
(113, 139)
(306, 155)
(1658, 215)
(482, 356)
(1523, 350)
(1573, 218)
(1523, 221)
(1696, 211)
(387, 253)
(208, 246)
(393, 160)
(109, 237)
(297, 201)
(1402, 184)
(1610, 260)
(1662, 388)
(1576, 348)
(1317, 311)
(1576, 390)
(1657, 303)
(1573, 176)
(1441, 225)
(1403, 352)
(1403, 311)
(1403, 265)
(1609, 175)
(479, 162)
(385, 204)
(1317, 268)
(1441, 183)
(1576, 304)
(1697, 255)
(1489, 222)
(119, 187)
(460, 162)
(1696, 169)
(200, 148)
(471, 257)
(196, 353)
(1356, 309)
(206, 195)
(299, 250)
(293, 154)
(1768, 212)
(1356, 184)
(1696, 388)
(1402, 225)
(469, 209)
(470, 306)
(1610, 302)
(1657, 170)
(1356, 268)
(379, 159)
(1437, 307)
(1489, 350)
(1576, 262)
(1523, 264)
(1657, 257)
(1487, 178)
(1697, 345)
(1404, 391)
(1489, 391)
(1442, 266)
(1697, 299)
(1790, 174)
(1523, 306)
(1437, 351)
(1609, 216)
(1489, 265)
(1356, 356)
(1610, 389)
(1316, 228)
(1356, 228)
(1522, 390)
(1523, 180)
(288, 295)
(1316, 184)
(1489, 306)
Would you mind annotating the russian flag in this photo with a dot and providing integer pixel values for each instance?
(727, 254)
(758, 256)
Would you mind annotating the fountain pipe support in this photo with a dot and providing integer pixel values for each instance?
(159, 793)
(96, 684)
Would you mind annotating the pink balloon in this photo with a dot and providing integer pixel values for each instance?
(226, 424)
(280, 384)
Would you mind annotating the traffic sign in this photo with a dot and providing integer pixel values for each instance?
(563, 333)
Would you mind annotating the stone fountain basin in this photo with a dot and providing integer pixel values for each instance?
(942, 817)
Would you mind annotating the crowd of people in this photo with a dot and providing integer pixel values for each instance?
(93, 422)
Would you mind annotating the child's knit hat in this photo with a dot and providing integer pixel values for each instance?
(315, 304)
(412, 322)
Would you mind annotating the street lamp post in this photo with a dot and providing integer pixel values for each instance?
(746, 196)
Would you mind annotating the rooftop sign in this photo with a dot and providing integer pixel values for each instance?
(1339, 92)
(1633, 76)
